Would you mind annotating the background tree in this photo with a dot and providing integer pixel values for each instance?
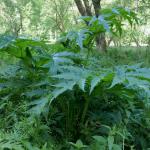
(89, 8)
(47, 19)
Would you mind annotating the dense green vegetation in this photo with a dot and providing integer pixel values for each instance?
(70, 94)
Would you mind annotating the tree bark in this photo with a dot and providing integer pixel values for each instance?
(136, 5)
(85, 9)
(97, 7)
(100, 39)
(101, 42)
(80, 7)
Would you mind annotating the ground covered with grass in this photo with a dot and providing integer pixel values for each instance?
(60, 100)
(77, 93)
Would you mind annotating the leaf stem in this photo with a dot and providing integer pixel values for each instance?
(87, 101)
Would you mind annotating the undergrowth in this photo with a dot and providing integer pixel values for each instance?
(55, 98)
(49, 100)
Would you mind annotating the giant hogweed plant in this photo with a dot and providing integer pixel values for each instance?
(75, 99)
(111, 21)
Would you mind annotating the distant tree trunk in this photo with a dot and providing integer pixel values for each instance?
(87, 7)
(18, 27)
(136, 5)
(80, 7)
(84, 8)
(136, 41)
(101, 42)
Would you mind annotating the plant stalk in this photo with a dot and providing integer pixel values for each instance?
(87, 101)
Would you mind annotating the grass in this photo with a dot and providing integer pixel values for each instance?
(125, 56)
(75, 115)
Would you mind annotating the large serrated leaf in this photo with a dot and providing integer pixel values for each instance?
(110, 142)
(82, 83)
(94, 83)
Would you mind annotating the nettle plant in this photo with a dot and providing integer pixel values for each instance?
(110, 21)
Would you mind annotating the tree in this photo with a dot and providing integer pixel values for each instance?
(85, 9)
(44, 19)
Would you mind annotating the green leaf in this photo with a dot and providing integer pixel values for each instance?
(39, 105)
(82, 83)
(110, 142)
(117, 147)
(94, 83)
(119, 78)
(78, 145)
(5, 41)
(100, 139)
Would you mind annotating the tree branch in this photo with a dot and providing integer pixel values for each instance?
(87, 7)
(97, 6)
(80, 7)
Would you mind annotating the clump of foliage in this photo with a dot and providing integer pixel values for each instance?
(110, 21)
(66, 100)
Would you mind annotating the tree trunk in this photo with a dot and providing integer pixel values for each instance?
(97, 7)
(85, 9)
(136, 5)
(80, 7)
(101, 42)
